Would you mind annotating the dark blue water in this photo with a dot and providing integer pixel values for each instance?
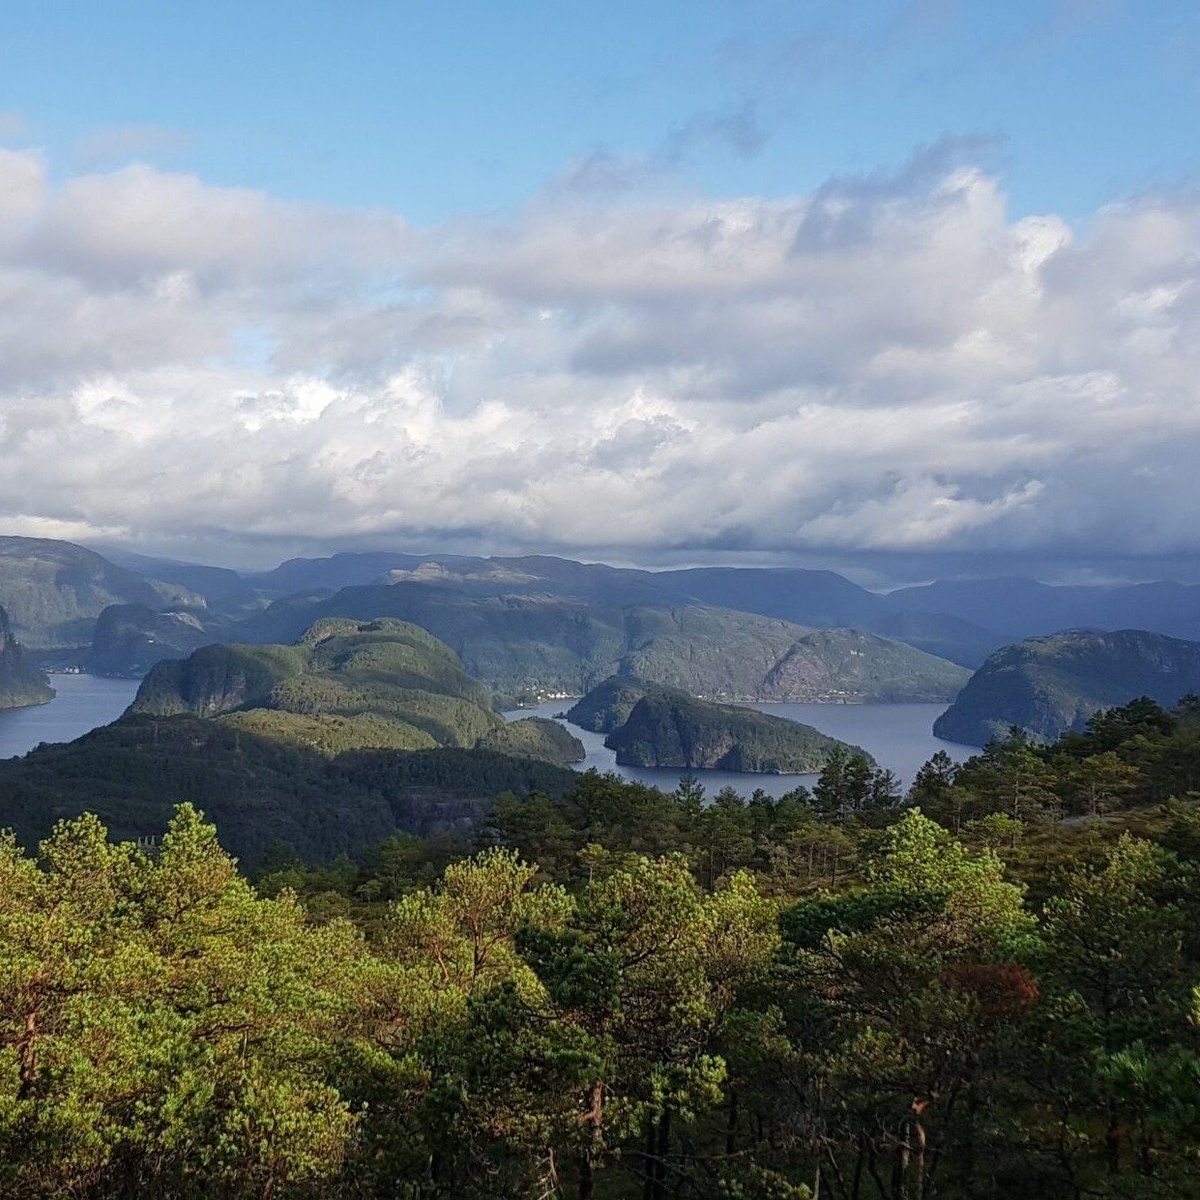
(82, 702)
(897, 736)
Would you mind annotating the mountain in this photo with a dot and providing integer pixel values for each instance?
(1048, 685)
(666, 729)
(1023, 608)
(213, 583)
(534, 642)
(261, 793)
(54, 591)
(820, 598)
(129, 639)
(942, 635)
(346, 685)
(20, 684)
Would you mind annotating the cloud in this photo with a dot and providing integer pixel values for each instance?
(14, 126)
(888, 365)
(737, 130)
(120, 143)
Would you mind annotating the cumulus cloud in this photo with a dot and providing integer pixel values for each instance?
(119, 143)
(891, 363)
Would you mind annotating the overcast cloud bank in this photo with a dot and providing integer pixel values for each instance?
(891, 364)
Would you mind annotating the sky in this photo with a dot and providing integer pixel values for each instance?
(903, 289)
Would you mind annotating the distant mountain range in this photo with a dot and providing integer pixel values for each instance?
(551, 624)
(1048, 685)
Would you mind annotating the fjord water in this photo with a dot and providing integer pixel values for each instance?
(897, 736)
(81, 703)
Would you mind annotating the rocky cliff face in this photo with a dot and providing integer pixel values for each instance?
(20, 684)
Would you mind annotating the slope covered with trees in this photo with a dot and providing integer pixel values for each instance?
(262, 792)
(527, 642)
(128, 639)
(1048, 685)
(347, 685)
(651, 726)
(756, 1002)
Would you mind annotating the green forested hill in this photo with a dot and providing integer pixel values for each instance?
(538, 642)
(666, 728)
(346, 685)
(1048, 685)
(20, 684)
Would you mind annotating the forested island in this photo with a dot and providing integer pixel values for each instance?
(653, 726)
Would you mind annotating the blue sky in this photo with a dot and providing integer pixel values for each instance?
(868, 284)
(434, 109)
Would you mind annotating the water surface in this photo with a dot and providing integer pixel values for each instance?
(897, 736)
(81, 703)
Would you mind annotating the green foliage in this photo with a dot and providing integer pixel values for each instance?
(259, 791)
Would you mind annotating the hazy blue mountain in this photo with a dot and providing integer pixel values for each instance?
(1047, 685)
(1024, 607)
(820, 598)
(20, 683)
(948, 637)
(129, 639)
(214, 583)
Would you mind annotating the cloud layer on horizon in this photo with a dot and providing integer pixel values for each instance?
(892, 363)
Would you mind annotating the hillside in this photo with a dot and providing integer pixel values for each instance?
(669, 730)
(261, 792)
(1048, 685)
(20, 684)
(129, 639)
(609, 704)
(520, 642)
(346, 685)
(54, 591)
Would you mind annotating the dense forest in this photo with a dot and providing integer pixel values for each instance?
(985, 988)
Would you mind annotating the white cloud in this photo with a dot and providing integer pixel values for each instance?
(889, 364)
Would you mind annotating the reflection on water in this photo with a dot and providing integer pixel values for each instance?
(898, 736)
(82, 702)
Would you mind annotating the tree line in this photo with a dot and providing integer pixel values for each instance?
(627, 993)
